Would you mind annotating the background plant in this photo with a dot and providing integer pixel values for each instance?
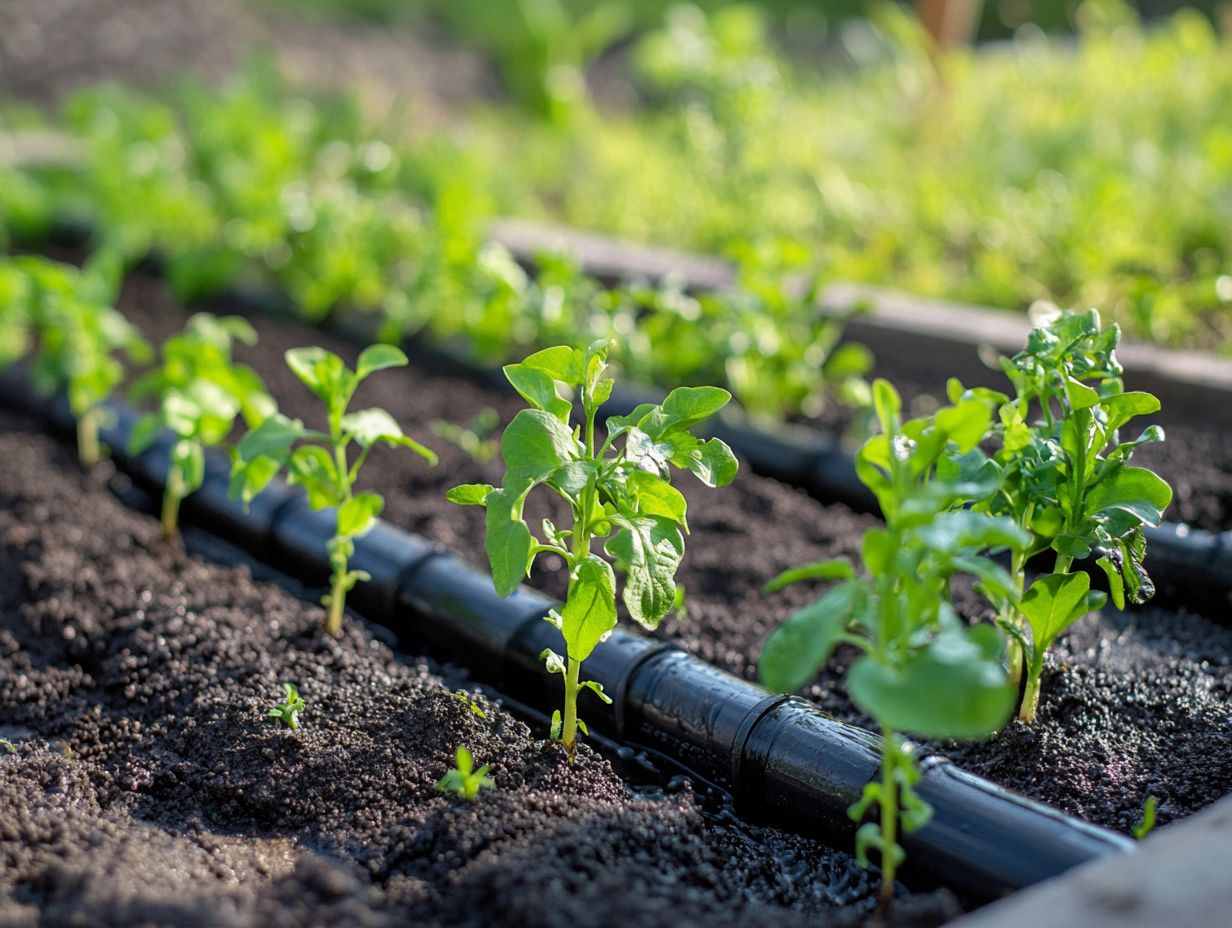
(1067, 478)
(79, 336)
(616, 487)
(921, 670)
(200, 391)
(319, 462)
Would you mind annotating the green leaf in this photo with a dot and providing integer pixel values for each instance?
(656, 497)
(189, 458)
(1121, 407)
(649, 549)
(321, 371)
(965, 424)
(560, 363)
(535, 444)
(954, 688)
(357, 515)
(797, 650)
(272, 438)
(1080, 395)
(710, 461)
(589, 613)
(1054, 602)
(145, 430)
(469, 494)
(312, 467)
(1136, 490)
(248, 478)
(508, 540)
(539, 389)
(887, 404)
(618, 425)
(377, 358)
(684, 408)
(832, 569)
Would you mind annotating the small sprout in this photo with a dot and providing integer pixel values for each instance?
(464, 780)
(318, 462)
(618, 490)
(474, 439)
(463, 697)
(200, 392)
(1147, 824)
(289, 709)
(8, 745)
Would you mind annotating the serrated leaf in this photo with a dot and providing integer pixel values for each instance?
(649, 549)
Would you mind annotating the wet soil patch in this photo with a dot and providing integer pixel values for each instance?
(147, 788)
(1133, 704)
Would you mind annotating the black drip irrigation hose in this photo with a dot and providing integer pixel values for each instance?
(783, 761)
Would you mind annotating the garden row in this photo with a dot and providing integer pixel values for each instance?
(964, 416)
(1007, 198)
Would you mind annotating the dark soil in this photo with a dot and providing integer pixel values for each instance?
(147, 788)
(1133, 704)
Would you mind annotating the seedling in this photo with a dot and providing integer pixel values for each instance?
(476, 438)
(200, 391)
(8, 745)
(287, 712)
(318, 461)
(464, 780)
(463, 697)
(1147, 823)
(1067, 479)
(921, 671)
(80, 334)
(618, 490)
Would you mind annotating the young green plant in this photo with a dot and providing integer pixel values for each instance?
(200, 392)
(288, 711)
(1067, 479)
(464, 781)
(79, 337)
(319, 461)
(617, 488)
(921, 670)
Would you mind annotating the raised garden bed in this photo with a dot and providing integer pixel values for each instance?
(1093, 752)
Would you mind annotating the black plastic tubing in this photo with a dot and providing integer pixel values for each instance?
(783, 761)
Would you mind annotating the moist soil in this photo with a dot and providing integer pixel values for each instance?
(1134, 704)
(146, 786)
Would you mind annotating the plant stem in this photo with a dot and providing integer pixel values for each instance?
(173, 495)
(889, 818)
(1030, 697)
(337, 603)
(89, 451)
(569, 724)
(581, 551)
